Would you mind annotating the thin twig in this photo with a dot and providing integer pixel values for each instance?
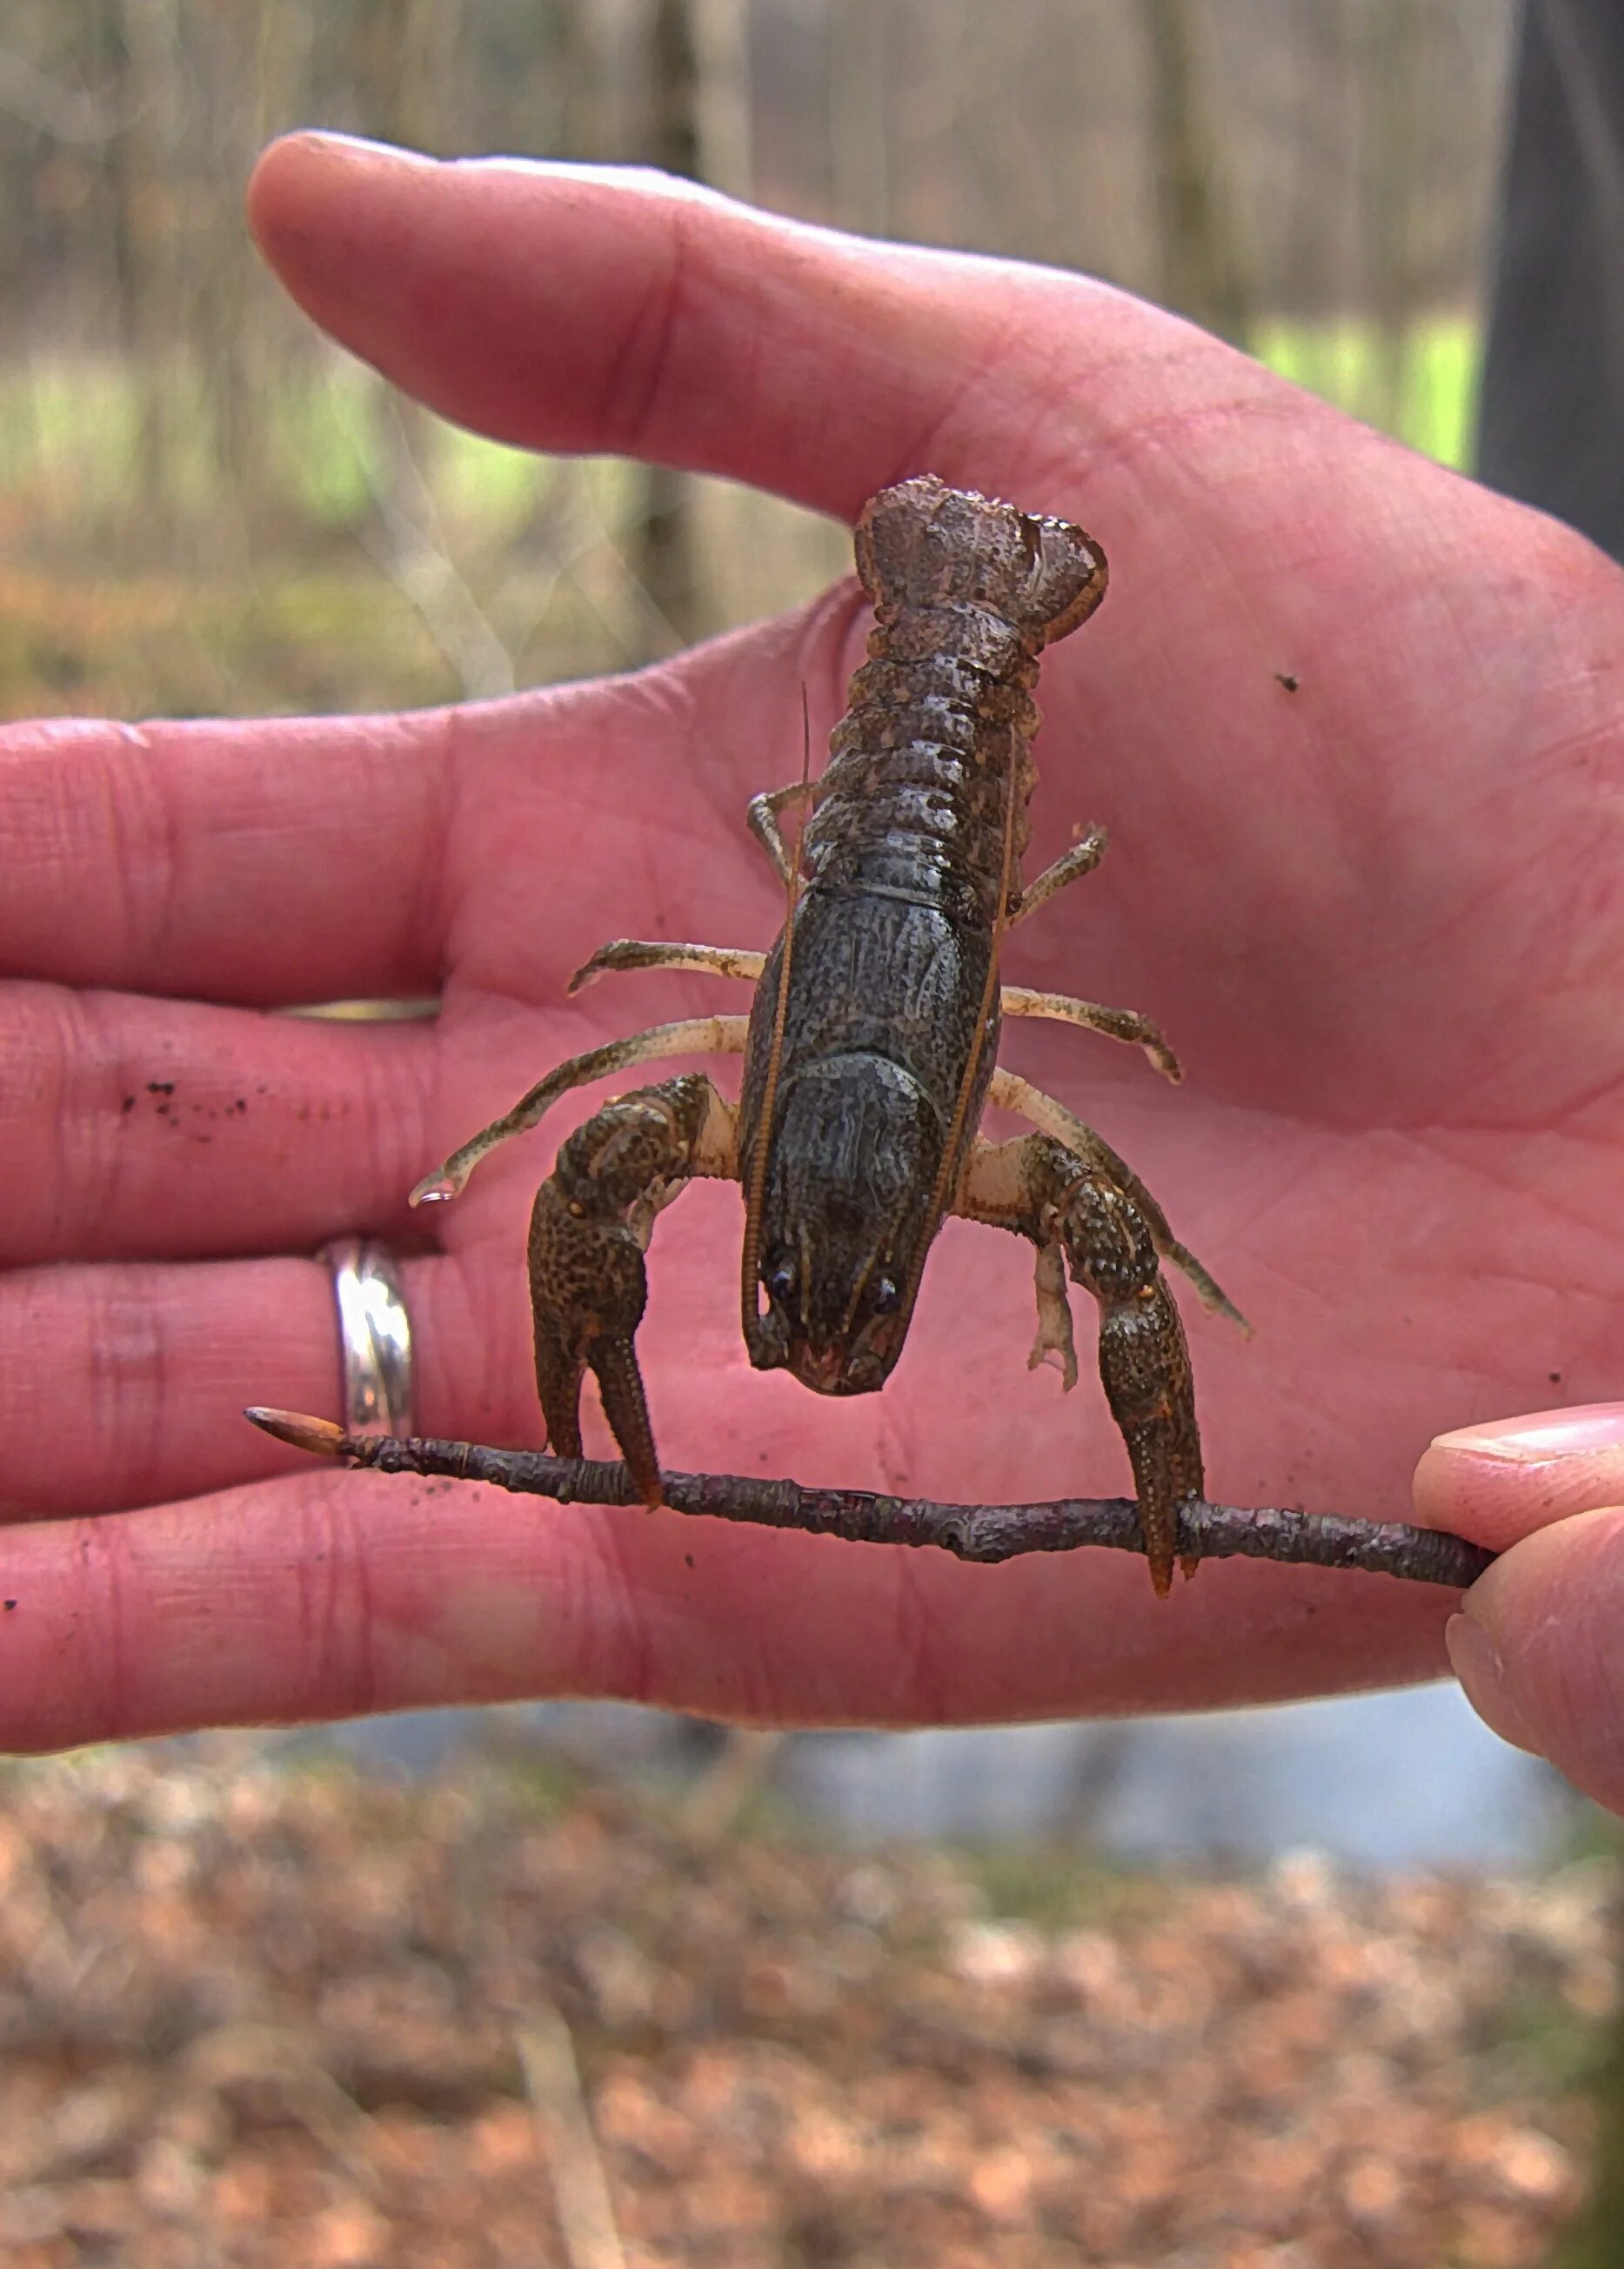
(970, 1531)
(418, 560)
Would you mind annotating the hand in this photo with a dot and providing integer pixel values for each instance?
(1380, 916)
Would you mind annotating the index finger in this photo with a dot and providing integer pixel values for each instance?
(656, 319)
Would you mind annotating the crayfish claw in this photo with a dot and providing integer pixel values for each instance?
(588, 1287)
(1145, 1370)
(1144, 1360)
(559, 1371)
(591, 1222)
(620, 1388)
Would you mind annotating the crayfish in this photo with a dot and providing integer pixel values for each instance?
(871, 1047)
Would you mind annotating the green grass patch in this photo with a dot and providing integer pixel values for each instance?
(1424, 391)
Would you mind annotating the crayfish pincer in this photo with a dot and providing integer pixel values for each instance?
(871, 1046)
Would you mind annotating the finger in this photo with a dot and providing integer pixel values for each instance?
(262, 862)
(1497, 1482)
(124, 1386)
(1535, 1644)
(1536, 1649)
(584, 310)
(326, 1594)
(132, 1126)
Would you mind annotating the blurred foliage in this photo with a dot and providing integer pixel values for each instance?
(1343, 361)
(258, 2017)
(303, 618)
(205, 508)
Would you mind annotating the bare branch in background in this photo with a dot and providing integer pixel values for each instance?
(1203, 273)
(67, 113)
(861, 156)
(415, 556)
(241, 332)
(665, 559)
(712, 1807)
(722, 101)
(150, 265)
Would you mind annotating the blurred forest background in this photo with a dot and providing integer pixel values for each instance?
(204, 507)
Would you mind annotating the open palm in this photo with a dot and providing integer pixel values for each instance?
(1353, 725)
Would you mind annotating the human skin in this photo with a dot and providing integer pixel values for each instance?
(1381, 917)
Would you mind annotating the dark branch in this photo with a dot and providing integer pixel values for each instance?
(970, 1531)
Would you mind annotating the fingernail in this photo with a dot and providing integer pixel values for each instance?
(358, 145)
(1544, 1434)
(1475, 1660)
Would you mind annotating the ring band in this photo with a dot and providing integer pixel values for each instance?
(374, 1336)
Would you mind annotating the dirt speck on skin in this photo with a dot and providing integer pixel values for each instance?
(160, 1087)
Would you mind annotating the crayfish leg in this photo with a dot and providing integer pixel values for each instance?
(1010, 1092)
(1082, 858)
(626, 953)
(695, 1036)
(761, 816)
(1125, 1025)
(1054, 1318)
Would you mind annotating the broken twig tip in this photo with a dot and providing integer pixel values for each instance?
(319, 1436)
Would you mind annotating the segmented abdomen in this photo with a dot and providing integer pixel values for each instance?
(924, 763)
(936, 746)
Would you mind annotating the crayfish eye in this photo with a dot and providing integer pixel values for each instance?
(780, 1282)
(885, 1296)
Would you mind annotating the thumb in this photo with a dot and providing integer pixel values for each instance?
(1535, 1645)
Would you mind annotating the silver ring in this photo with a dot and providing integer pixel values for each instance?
(374, 1336)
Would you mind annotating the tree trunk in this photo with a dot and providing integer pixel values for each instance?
(1203, 274)
(146, 188)
(246, 376)
(665, 551)
(1393, 31)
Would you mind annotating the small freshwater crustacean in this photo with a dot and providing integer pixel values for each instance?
(871, 1047)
